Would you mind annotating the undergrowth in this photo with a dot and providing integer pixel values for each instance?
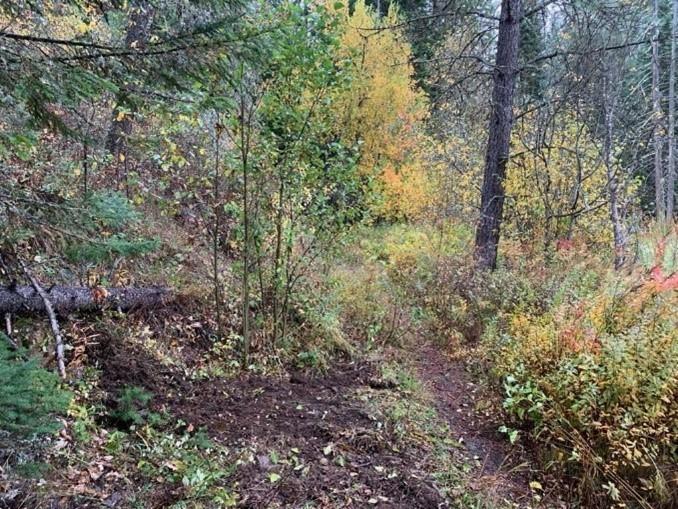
(30, 396)
(586, 358)
(591, 371)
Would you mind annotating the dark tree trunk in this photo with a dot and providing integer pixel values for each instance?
(64, 299)
(138, 33)
(497, 155)
(671, 181)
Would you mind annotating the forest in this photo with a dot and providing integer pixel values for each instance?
(329, 254)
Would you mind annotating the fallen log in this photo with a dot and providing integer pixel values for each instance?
(66, 299)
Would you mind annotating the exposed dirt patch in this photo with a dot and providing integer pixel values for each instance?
(310, 441)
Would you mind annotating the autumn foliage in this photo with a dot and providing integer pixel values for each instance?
(385, 111)
(593, 369)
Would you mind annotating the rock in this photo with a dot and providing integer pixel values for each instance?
(264, 463)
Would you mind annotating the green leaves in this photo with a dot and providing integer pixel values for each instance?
(30, 396)
(132, 406)
(512, 434)
(112, 214)
(112, 209)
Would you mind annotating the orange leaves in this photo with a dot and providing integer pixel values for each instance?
(99, 294)
(659, 281)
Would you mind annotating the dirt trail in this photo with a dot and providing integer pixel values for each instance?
(322, 442)
(501, 471)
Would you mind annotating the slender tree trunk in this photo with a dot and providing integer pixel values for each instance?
(497, 155)
(244, 153)
(671, 181)
(85, 169)
(618, 232)
(218, 211)
(660, 210)
(138, 33)
(277, 256)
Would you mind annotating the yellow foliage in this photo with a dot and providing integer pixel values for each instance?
(559, 188)
(596, 371)
(61, 20)
(384, 110)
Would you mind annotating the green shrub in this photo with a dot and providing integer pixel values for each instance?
(111, 209)
(114, 214)
(132, 406)
(112, 247)
(30, 396)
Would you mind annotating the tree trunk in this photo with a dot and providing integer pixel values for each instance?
(138, 33)
(618, 232)
(497, 155)
(657, 119)
(64, 299)
(671, 181)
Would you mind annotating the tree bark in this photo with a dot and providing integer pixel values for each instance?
(618, 231)
(660, 210)
(671, 181)
(138, 33)
(64, 299)
(497, 154)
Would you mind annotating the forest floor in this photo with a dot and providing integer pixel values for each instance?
(400, 429)
(502, 472)
(378, 432)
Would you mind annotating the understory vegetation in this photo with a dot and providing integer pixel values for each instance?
(334, 254)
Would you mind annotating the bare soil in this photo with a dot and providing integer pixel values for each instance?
(501, 471)
(349, 458)
(314, 435)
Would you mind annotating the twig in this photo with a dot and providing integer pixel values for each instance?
(58, 340)
(8, 326)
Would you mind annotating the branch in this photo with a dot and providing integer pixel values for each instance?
(559, 53)
(8, 334)
(443, 13)
(57, 42)
(58, 340)
(538, 8)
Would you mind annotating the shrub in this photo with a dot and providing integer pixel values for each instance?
(596, 376)
(30, 396)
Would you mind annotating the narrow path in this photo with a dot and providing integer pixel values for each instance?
(500, 471)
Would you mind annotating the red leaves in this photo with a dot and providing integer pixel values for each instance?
(658, 280)
(662, 283)
(564, 245)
